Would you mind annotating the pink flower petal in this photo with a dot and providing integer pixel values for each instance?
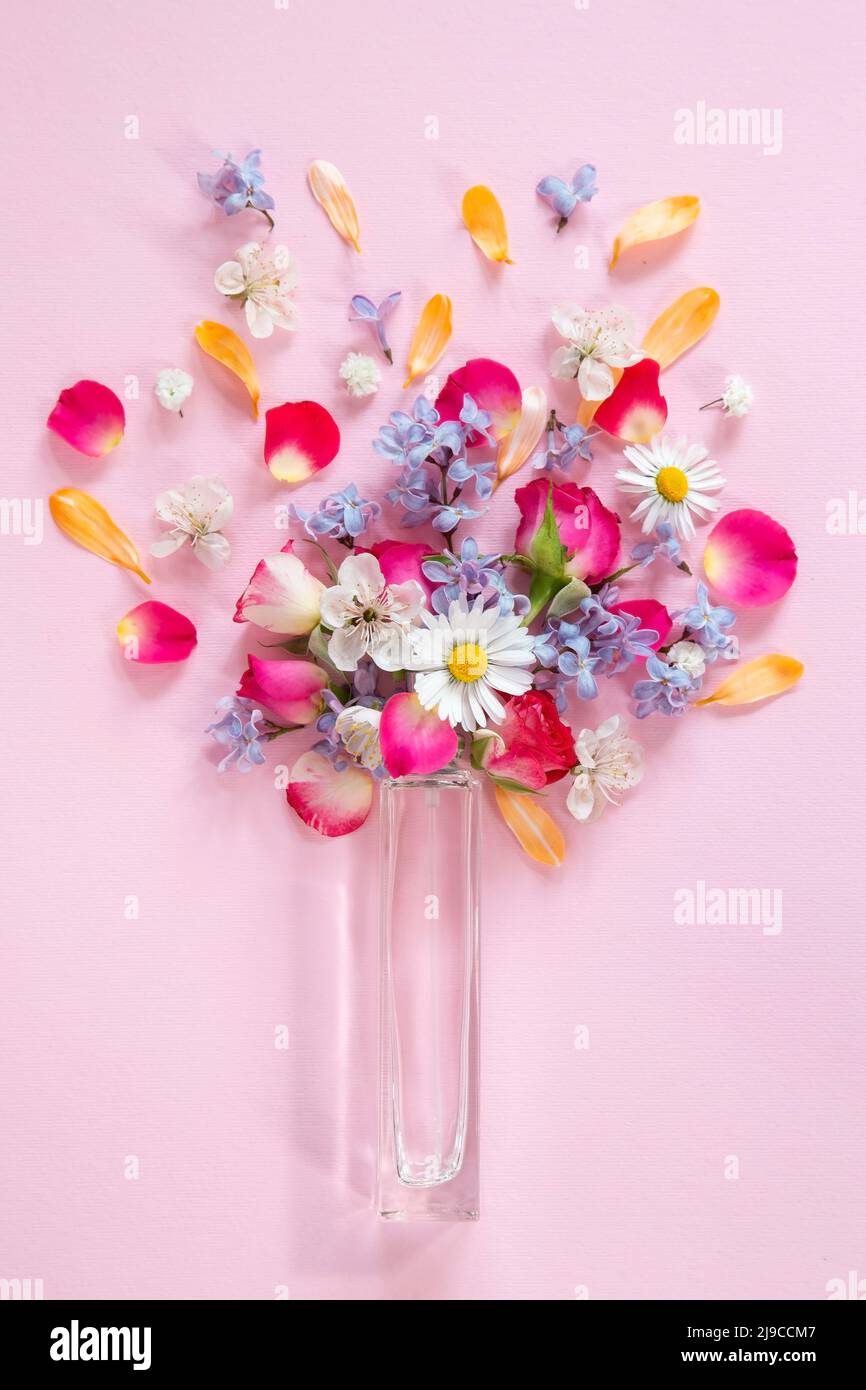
(90, 417)
(331, 802)
(750, 559)
(414, 739)
(635, 410)
(153, 633)
(492, 386)
(651, 613)
(282, 596)
(401, 560)
(301, 437)
(290, 690)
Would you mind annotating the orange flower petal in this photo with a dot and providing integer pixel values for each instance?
(226, 347)
(329, 189)
(485, 222)
(757, 680)
(653, 222)
(536, 832)
(86, 522)
(431, 337)
(681, 325)
(517, 447)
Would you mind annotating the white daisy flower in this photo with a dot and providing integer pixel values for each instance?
(608, 763)
(674, 479)
(465, 658)
(368, 616)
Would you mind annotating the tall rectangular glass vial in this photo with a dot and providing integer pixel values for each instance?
(428, 995)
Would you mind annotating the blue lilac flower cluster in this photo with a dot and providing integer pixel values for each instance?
(562, 444)
(668, 688)
(434, 464)
(344, 516)
(594, 641)
(663, 542)
(236, 186)
(710, 626)
(241, 729)
(469, 575)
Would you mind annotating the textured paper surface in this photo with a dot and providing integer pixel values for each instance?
(604, 1167)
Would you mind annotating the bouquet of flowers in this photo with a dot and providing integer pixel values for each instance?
(407, 656)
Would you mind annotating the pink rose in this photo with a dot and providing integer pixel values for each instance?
(289, 690)
(539, 748)
(587, 529)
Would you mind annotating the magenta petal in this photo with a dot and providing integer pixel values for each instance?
(401, 560)
(652, 615)
(153, 633)
(331, 802)
(414, 739)
(636, 409)
(301, 437)
(90, 417)
(492, 386)
(289, 690)
(750, 559)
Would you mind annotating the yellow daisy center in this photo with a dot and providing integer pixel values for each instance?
(468, 662)
(672, 483)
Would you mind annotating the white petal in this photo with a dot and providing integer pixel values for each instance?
(229, 278)
(595, 380)
(346, 647)
(259, 320)
(362, 575)
(169, 543)
(213, 550)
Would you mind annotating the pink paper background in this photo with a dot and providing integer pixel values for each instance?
(603, 1169)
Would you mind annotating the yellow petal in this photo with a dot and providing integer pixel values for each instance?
(540, 836)
(485, 222)
(226, 347)
(757, 680)
(681, 325)
(87, 523)
(431, 337)
(653, 222)
(329, 189)
(517, 446)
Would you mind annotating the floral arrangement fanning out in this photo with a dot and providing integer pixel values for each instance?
(388, 634)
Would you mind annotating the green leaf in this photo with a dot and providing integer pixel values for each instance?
(541, 591)
(546, 549)
(568, 598)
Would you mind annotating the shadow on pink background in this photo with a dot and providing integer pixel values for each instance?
(153, 1038)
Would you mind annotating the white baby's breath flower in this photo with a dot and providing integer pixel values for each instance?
(689, 657)
(360, 373)
(737, 396)
(197, 510)
(173, 388)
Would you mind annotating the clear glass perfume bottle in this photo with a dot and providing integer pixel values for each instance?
(428, 1097)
